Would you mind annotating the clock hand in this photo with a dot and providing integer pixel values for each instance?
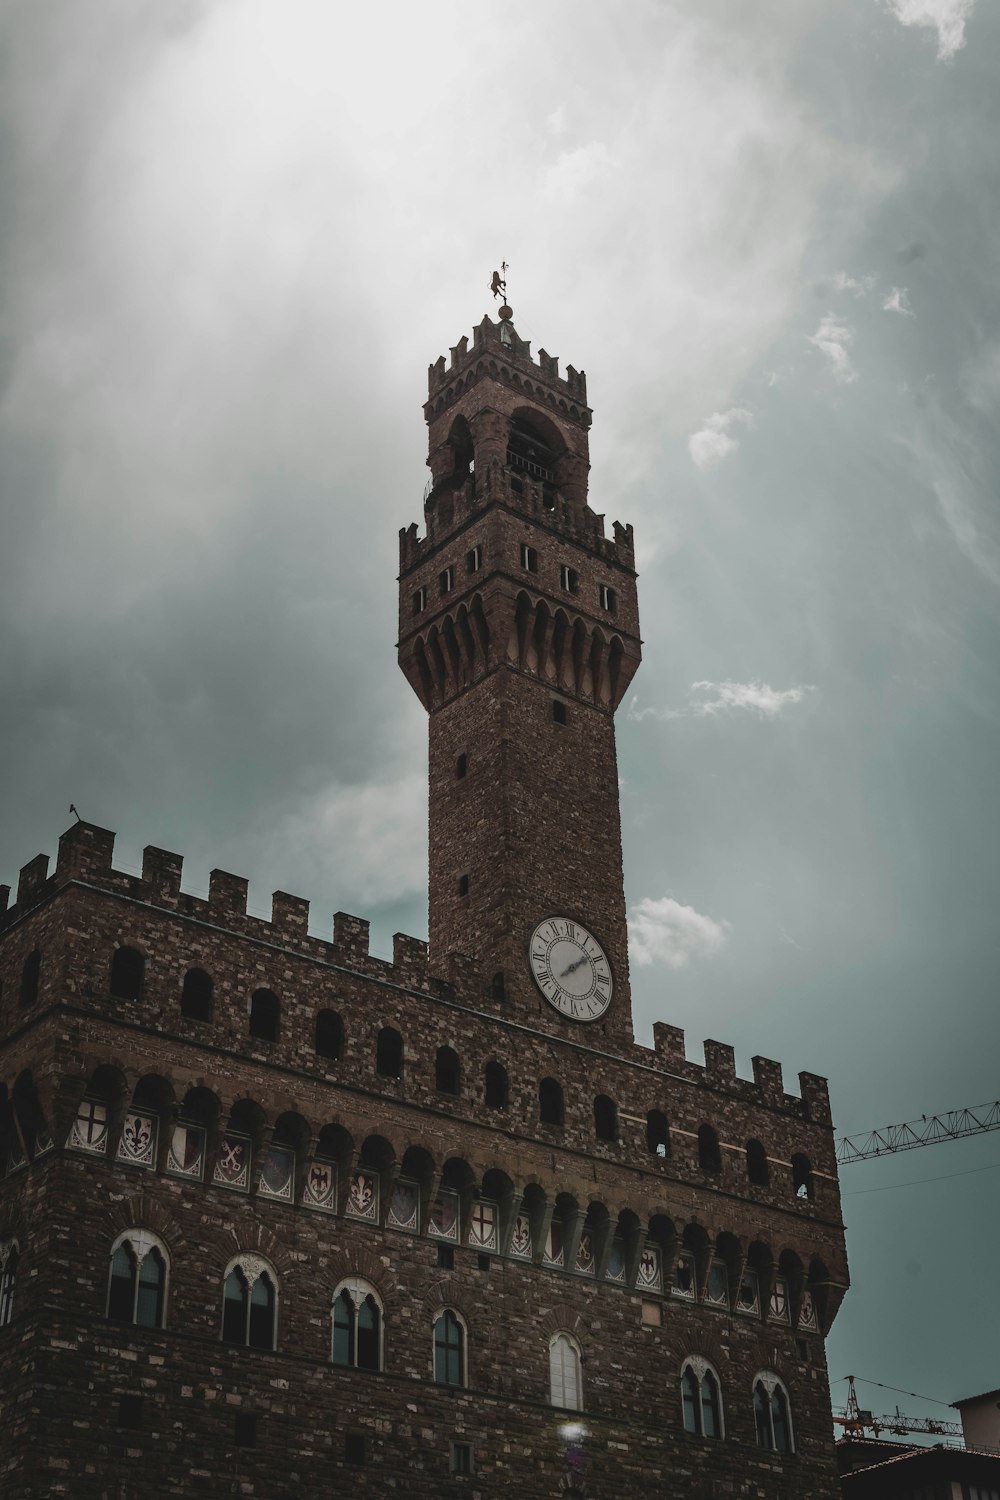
(573, 967)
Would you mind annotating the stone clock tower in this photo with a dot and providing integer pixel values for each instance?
(519, 633)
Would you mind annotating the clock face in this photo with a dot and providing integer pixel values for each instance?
(570, 968)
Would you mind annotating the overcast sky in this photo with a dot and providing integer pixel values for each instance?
(235, 237)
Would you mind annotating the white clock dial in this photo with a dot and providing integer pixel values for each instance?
(570, 968)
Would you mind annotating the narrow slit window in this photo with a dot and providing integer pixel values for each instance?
(529, 558)
(474, 559)
(419, 601)
(569, 579)
(609, 599)
(447, 580)
(558, 712)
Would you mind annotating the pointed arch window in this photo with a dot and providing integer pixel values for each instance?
(137, 1282)
(449, 1349)
(701, 1399)
(565, 1378)
(8, 1280)
(772, 1414)
(357, 1326)
(249, 1304)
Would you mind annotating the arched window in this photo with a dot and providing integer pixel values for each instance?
(701, 1400)
(657, 1133)
(802, 1177)
(196, 995)
(446, 1071)
(550, 1102)
(128, 969)
(329, 1035)
(709, 1155)
(497, 1087)
(8, 1280)
(249, 1304)
(772, 1415)
(758, 1171)
(265, 1012)
(137, 1282)
(565, 1381)
(30, 975)
(357, 1326)
(605, 1118)
(449, 1348)
(389, 1053)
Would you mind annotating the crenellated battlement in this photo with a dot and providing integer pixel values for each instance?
(85, 856)
(498, 350)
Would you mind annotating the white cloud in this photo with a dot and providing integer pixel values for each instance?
(833, 339)
(896, 302)
(946, 17)
(667, 932)
(757, 697)
(713, 441)
(958, 510)
(724, 697)
(860, 286)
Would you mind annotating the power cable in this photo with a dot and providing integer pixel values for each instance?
(919, 1181)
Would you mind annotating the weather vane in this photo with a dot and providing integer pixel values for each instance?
(498, 286)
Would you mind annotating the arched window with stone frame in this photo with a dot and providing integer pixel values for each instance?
(497, 1085)
(565, 1372)
(137, 1279)
(250, 1303)
(450, 1348)
(197, 993)
(701, 1398)
(128, 974)
(772, 1413)
(9, 1256)
(358, 1321)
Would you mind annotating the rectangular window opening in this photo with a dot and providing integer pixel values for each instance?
(461, 1458)
(463, 885)
(529, 558)
(130, 1411)
(420, 601)
(354, 1448)
(483, 1262)
(447, 580)
(245, 1431)
(609, 599)
(446, 1257)
(474, 559)
(569, 579)
(558, 712)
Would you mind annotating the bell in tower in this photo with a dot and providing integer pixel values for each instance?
(519, 632)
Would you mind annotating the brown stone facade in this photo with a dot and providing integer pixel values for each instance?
(279, 1218)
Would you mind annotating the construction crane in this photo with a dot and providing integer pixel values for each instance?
(923, 1132)
(856, 1421)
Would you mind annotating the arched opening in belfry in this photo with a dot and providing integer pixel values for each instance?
(460, 442)
(536, 449)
